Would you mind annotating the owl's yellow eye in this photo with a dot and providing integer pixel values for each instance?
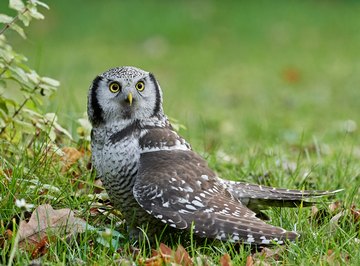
(140, 86)
(114, 87)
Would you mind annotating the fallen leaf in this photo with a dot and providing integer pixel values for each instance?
(165, 252)
(71, 156)
(5, 237)
(41, 248)
(335, 206)
(355, 213)
(225, 260)
(267, 256)
(249, 261)
(182, 257)
(47, 222)
(334, 221)
(333, 212)
(153, 261)
(332, 259)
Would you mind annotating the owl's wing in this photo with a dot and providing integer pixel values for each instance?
(178, 188)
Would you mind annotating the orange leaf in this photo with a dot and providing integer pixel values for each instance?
(249, 261)
(7, 236)
(153, 261)
(225, 260)
(165, 252)
(71, 156)
(41, 248)
(182, 257)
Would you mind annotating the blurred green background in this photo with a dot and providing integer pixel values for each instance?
(235, 73)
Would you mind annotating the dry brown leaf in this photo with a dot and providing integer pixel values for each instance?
(267, 255)
(335, 206)
(225, 260)
(5, 237)
(153, 261)
(355, 213)
(71, 156)
(333, 211)
(182, 257)
(165, 252)
(249, 261)
(46, 222)
(41, 248)
(332, 259)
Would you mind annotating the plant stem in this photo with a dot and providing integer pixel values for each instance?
(17, 111)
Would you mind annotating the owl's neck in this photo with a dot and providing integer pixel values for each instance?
(116, 126)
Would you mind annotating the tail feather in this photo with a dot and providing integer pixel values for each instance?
(257, 197)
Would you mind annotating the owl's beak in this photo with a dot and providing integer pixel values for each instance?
(129, 98)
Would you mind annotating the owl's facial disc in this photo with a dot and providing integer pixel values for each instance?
(124, 93)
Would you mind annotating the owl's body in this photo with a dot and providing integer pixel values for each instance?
(155, 179)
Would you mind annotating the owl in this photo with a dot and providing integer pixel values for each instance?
(156, 180)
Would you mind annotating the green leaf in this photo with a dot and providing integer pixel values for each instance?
(2, 86)
(50, 81)
(25, 18)
(34, 77)
(18, 29)
(36, 2)
(8, 56)
(4, 107)
(20, 75)
(26, 126)
(5, 19)
(2, 123)
(18, 5)
(35, 14)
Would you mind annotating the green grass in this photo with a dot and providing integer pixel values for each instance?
(272, 84)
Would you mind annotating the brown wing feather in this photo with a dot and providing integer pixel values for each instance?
(178, 188)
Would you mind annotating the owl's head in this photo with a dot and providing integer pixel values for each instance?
(124, 93)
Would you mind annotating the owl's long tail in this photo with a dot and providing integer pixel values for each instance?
(257, 197)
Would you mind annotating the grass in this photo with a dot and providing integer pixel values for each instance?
(274, 86)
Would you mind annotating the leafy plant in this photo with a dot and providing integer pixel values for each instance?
(22, 89)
